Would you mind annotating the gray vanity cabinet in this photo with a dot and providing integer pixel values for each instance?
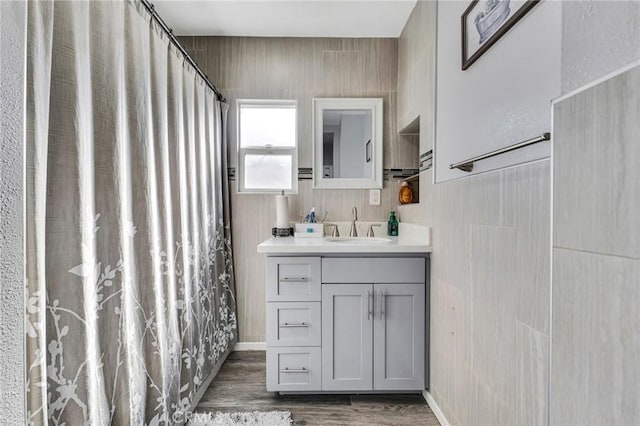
(373, 334)
(372, 337)
(345, 324)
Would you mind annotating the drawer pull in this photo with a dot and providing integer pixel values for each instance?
(287, 325)
(381, 300)
(288, 370)
(295, 279)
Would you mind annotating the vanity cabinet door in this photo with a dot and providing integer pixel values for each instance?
(347, 337)
(399, 337)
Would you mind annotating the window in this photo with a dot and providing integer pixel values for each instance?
(267, 146)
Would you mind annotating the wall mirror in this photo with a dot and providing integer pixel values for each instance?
(347, 143)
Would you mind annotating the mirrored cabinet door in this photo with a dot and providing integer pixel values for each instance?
(347, 138)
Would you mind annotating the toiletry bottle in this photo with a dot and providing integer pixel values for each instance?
(392, 225)
(406, 194)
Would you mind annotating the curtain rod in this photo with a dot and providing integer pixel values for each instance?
(152, 10)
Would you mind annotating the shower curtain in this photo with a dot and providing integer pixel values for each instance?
(130, 289)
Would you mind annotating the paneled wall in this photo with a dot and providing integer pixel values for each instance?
(490, 284)
(490, 264)
(416, 72)
(490, 296)
(301, 69)
(596, 255)
(596, 225)
(489, 314)
(417, 88)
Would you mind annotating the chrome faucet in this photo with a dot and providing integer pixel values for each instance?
(335, 233)
(370, 232)
(353, 232)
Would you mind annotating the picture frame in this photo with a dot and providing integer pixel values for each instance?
(484, 22)
(367, 151)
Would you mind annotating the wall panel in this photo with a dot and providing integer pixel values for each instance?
(301, 69)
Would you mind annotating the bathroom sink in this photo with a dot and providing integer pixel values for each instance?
(359, 240)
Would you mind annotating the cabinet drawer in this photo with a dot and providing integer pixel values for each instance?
(293, 369)
(293, 279)
(293, 324)
(373, 270)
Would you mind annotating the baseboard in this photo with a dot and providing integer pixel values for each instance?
(435, 408)
(250, 346)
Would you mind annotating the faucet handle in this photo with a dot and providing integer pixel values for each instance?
(335, 232)
(370, 232)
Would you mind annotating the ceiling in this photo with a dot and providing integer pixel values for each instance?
(286, 18)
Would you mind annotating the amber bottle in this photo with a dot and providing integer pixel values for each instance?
(406, 194)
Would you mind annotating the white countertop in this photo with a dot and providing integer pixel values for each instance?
(414, 239)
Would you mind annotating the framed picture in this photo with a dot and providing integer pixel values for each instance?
(367, 151)
(485, 21)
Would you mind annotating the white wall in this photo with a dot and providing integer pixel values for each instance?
(12, 51)
(598, 37)
(503, 98)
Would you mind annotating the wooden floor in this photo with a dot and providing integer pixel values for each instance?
(240, 386)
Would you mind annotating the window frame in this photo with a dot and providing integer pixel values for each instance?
(264, 150)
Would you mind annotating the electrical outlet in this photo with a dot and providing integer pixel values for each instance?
(374, 197)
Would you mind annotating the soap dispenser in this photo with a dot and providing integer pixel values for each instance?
(392, 225)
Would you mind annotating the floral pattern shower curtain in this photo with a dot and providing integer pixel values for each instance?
(130, 285)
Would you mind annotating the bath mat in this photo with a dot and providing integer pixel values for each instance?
(257, 418)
